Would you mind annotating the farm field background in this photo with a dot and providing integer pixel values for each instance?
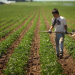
(25, 51)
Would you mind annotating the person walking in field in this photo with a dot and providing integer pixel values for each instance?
(60, 25)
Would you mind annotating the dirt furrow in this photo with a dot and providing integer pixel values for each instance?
(33, 66)
(67, 63)
(3, 38)
(10, 50)
(73, 19)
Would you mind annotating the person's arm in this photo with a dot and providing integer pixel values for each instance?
(51, 27)
(65, 26)
(53, 23)
(50, 30)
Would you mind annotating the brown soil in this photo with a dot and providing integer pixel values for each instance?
(73, 19)
(33, 66)
(3, 38)
(67, 63)
(10, 50)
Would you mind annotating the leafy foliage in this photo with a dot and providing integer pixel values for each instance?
(5, 32)
(11, 38)
(19, 58)
(70, 45)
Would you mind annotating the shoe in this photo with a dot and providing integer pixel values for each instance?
(61, 56)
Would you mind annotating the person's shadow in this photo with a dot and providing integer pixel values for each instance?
(68, 56)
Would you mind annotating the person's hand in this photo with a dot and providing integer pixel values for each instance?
(66, 32)
(50, 31)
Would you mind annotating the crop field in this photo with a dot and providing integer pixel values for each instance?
(26, 51)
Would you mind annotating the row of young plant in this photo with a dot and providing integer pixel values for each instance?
(11, 38)
(70, 45)
(2, 20)
(48, 59)
(5, 32)
(11, 12)
(71, 24)
(8, 17)
(18, 61)
(9, 20)
(5, 22)
(48, 17)
(69, 41)
(12, 22)
(7, 25)
(68, 16)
